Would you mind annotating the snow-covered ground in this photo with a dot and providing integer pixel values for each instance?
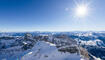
(47, 51)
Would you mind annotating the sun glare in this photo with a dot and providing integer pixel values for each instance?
(81, 10)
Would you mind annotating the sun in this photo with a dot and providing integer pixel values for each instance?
(81, 10)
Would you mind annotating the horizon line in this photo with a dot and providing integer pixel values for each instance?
(55, 31)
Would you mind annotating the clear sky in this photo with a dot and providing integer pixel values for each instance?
(50, 15)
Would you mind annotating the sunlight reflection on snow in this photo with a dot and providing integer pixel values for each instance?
(30, 53)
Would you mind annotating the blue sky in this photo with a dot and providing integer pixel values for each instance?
(50, 15)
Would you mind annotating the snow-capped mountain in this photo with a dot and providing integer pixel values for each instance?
(52, 45)
(93, 43)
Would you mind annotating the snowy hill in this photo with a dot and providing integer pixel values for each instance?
(45, 51)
